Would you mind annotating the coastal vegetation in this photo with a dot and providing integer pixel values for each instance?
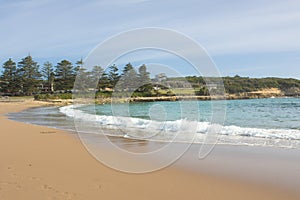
(243, 85)
(50, 81)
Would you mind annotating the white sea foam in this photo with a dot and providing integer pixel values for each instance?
(182, 130)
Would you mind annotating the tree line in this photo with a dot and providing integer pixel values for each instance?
(27, 77)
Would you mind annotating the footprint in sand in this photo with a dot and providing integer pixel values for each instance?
(14, 184)
(64, 195)
(47, 187)
(33, 178)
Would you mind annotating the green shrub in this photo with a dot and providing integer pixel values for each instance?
(53, 96)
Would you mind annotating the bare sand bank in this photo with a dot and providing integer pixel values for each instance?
(43, 163)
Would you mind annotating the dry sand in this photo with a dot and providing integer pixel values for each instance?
(44, 163)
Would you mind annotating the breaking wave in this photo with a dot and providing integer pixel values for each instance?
(181, 130)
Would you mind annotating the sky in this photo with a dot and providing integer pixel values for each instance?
(258, 38)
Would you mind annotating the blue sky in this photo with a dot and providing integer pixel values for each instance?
(256, 38)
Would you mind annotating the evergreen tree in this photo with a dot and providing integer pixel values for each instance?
(79, 64)
(113, 75)
(29, 75)
(144, 79)
(65, 75)
(128, 67)
(83, 80)
(82, 76)
(129, 79)
(96, 75)
(104, 81)
(9, 78)
(144, 76)
(48, 74)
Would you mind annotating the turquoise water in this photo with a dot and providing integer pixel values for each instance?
(277, 113)
(261, 122)
(165, 110)
(272, 113)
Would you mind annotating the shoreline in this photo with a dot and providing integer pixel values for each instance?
(40, 162)
(106, 100)
(155, 99)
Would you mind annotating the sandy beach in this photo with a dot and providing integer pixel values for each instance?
(44, 163)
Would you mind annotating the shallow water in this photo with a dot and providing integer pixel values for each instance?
(255, 122)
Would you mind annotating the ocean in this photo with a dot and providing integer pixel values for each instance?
(271, 122)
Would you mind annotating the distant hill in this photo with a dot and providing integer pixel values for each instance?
(237, 85)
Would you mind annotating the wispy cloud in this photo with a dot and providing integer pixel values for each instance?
(72, 28)
(269, 27)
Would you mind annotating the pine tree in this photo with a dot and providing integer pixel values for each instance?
(29, 75)
(129, 79)
(64, 75)
(96, 75)
(81, 75)
(9, 78)
(83, 80)
(104, 81)
(79, 64)
(113, 75)
(48, 74)
(128, 67)
(144, 79)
